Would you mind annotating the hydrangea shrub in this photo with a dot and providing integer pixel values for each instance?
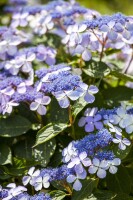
(66, 103)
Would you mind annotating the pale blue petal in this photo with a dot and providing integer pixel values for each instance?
(101, 173)
(77, 185)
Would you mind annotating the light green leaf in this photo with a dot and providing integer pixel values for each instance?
(58, 195)
(49, 131)
(97, 69)
(78, 106)
(5, 155)
(14, 126)
(124, 77)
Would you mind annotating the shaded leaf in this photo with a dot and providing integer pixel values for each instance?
(49, 131)
(119, 182)
(87, 188)
(14, 126)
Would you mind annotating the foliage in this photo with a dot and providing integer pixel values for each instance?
(66, 102)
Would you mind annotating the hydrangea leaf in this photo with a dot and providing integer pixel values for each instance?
(5, 155)
(87, 187)
(58, 195)
(120, 182)
(97, 69)
(49, 131)
(14, 126)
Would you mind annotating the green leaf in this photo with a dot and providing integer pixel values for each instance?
(108, 195)
(87, 188)
(78, 106)
(121, 76)
(57, 114)
(97, 69)
(119, 182)
(58, 195)
(5, 155)
(49, 131)
(120, 93)
(40, 154)
(43, 152)
(14, 126)
(122, 154)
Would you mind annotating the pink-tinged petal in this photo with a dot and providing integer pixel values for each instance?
(86, 55)
(92, 169)
(113, 169)
(71, 178)
(41, 110)
(77, 185)
(81, 122)
(101, 173)
(89, 127)
(34, 106)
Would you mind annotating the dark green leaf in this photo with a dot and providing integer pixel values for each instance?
(40, 154)
(97, 69)
(5, 155)
(87, 188)
(122, 154)
(57, 114)
(120, 93)
(108, 195)
(119, 182)
(14, 126)
(43, 152)
(49, 131)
